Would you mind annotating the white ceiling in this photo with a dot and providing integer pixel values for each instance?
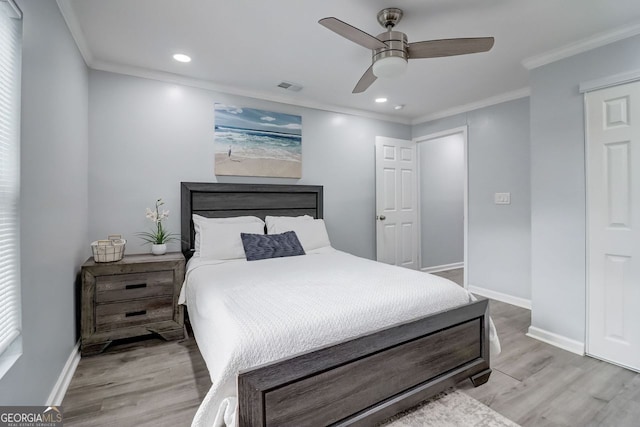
(249, 46)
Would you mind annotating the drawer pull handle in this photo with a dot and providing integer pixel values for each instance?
(136, 286)
(136, 313)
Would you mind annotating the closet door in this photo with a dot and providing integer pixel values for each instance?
(613, 187)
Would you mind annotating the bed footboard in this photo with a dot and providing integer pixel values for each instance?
(371, 377)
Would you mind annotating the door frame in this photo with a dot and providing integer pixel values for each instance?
(464, 130)
(587, 233)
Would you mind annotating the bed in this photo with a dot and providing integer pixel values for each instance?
(372, 365)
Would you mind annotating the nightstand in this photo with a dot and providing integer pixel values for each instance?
(135, 296)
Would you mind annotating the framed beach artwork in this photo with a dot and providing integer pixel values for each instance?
(250, 142)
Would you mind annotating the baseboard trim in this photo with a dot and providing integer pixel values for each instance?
(60, 387)
(443, 267)
(499, 296)
(556, 340)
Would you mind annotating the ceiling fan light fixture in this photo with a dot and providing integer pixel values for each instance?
(391, 66)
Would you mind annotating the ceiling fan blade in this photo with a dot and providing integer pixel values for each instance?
(365, 81)
(449, 47)
(352, 33)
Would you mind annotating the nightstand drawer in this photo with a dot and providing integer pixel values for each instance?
(131, 313)
(122, 287)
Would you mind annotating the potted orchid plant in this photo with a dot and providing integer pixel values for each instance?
(159, 236)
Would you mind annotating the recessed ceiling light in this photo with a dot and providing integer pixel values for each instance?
(381, 100)
(398, 107)
(181, 57)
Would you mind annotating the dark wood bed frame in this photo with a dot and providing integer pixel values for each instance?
(358, 382)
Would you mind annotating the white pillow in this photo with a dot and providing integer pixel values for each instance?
(312, 233)
(274, 221)
(220, 237)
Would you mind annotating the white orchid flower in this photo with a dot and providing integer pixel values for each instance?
(152, 215)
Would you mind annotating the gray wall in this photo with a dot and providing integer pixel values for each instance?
(54, 206)
(147, 136)
(558, 183)
(498, 159)
(441, 164)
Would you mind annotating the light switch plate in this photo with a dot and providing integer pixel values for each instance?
(502, 198)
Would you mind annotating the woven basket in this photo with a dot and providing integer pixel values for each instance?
(108, 250)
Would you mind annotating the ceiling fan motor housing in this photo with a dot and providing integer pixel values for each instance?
(389, 17)
(397, 47)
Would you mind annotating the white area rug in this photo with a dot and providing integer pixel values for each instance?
(450, 408)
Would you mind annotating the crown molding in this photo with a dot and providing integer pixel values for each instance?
(75, 28)
(167, 77)
(487, 102)
(595, 41)
(608, 81)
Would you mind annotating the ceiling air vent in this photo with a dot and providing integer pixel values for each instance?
(290, 86)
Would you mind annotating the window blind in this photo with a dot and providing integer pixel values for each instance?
(10, 68)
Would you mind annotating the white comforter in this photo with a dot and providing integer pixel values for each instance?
(248, 313)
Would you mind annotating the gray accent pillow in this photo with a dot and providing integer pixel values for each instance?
(263, 246)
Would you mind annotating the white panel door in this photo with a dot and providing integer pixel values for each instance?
(613, 177)
(396, 202)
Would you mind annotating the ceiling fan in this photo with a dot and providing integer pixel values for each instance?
(391, 49)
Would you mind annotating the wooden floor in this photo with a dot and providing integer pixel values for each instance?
(143, 383)
(536, 384)
(455, 275)
(158, 383)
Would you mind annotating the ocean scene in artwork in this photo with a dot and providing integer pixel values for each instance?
(251, 142)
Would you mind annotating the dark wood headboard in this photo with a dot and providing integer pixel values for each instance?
(218, 200)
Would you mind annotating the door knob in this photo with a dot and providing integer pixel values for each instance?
(382, 217)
